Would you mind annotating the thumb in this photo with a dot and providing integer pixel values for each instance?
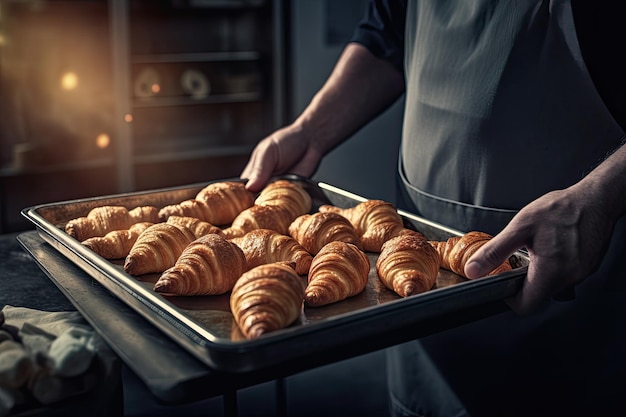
(492, 254)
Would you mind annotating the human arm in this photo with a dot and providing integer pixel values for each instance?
(360, 87)
(566, 233)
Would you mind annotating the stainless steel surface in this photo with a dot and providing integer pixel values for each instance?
(204, 325)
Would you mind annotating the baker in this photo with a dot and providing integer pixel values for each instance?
(513, 125)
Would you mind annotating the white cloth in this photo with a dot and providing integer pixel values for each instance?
(50, 356)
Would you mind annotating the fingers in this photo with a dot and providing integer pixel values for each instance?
(260, 168)
(493, 253)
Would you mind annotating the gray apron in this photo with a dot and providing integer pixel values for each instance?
(500, 110)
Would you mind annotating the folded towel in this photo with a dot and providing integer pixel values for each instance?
(49, 355)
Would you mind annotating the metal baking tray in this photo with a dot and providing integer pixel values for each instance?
(204, 326)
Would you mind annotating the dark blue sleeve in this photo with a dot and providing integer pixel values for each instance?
(381, 30)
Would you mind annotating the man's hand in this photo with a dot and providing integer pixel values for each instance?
(566, 234)
(286, 150)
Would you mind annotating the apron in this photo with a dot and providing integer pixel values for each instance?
(499, 111)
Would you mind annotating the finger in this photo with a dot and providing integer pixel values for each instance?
(493, 253)
(258, 171)
(535, 291)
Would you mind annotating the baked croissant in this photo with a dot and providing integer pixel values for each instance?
(209, 265)
(267, 298)
(314, 231)
(375, 221)
(118, 243)
(197, 226)
(218, 203)
(290, 195)
(102, 220)
(259, 217)
(263, 246)
(157, 248)
(456, 251)
(408, 265)
(338, 271)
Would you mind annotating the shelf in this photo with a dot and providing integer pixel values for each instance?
(187, 101)
(216, 152)
(196, 57)
(54, 168)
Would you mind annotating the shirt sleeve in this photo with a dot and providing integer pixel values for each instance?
(381, 30)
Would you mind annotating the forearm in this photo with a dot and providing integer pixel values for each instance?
(607, 184)
(360, 87)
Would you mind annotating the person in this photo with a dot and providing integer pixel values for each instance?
(514, 124)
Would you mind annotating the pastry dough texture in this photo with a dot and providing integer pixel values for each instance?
(338, 271)
(267, 298)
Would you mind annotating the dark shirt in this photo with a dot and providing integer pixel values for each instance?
(599, 28)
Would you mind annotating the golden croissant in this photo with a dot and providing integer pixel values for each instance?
(456, 251)
(408, 265)
(267, 298)
(259, 217)
(338, 271)
(118, 243)
(102, 220)
(157, 248)
(375, 221)
(209, 265)
(263, 246)
(290, 195)
(218, 203)
(314, 231)
(197, 226)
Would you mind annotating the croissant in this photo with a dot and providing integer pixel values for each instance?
(118, 243)
(408, 265)
(218, 203)
(338, 271)
(263, 246)
(290, 195)
(314, 231)
(102, 220)
(457, 250)
(157, 248)
(197, 226)
(375, 221)
(267, 298)
(209, 265)
(259, 217)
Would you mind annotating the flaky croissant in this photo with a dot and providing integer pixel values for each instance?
(289, 195)
(375, 221)
(457, 250)
(157, 248)
(267, 298)
(197, 226)
(118, 243)
(263, 246)
(218, 203)
(259, 217)
(314, 231)
(408, 265)
(338, 271)
(209, 265)
(102, 220)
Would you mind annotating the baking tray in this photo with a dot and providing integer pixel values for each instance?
(204, 326)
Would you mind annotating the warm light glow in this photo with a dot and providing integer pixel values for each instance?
(155, 88)
(128, 117)
(3, 40)
(103, 141)
(69, 81)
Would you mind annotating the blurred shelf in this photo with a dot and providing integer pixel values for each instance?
(187, 101)
(196, 57)
(216, 152)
